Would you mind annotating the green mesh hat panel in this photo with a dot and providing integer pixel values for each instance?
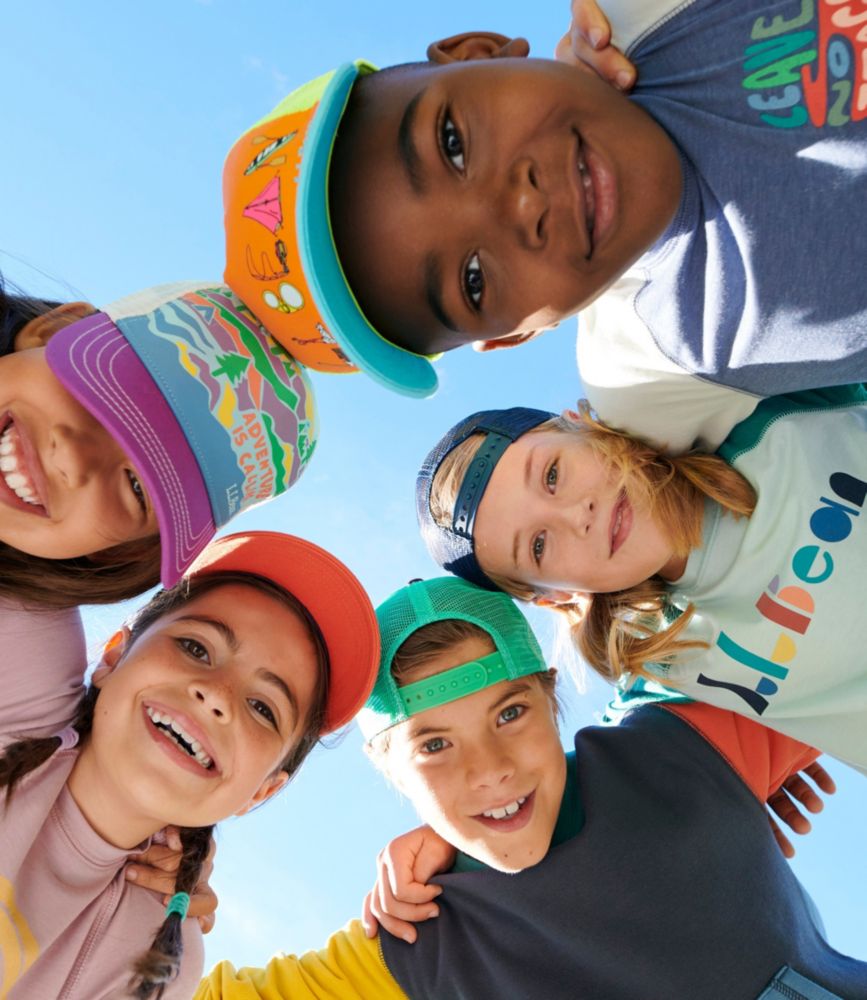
(425, 601)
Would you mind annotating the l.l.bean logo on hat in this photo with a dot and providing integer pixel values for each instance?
(263, 265)
(257, 431)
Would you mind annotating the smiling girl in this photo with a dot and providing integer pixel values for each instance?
(202, 707)
(730, 578)
(627, 845)
(129, 436)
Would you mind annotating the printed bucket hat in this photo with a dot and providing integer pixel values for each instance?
(280, 253)
(212, 412)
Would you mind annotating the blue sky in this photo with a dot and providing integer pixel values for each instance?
(117, 119)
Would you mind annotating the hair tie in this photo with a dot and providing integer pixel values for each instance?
(68, 738)
(179, 903)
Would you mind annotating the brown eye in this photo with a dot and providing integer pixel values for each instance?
(452, 144)
(474, 281)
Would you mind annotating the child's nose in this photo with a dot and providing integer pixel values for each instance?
(77, 454)
(525, 206)
(213, 696)
(490, 766)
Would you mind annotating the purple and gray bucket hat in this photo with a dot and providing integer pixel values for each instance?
(213, 413)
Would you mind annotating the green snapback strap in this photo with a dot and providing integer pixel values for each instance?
(453, 684)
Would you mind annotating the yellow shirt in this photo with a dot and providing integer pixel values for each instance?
(350, 967)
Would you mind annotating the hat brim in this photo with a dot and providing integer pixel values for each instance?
(391, 366)
(96, 364)
(330, 592)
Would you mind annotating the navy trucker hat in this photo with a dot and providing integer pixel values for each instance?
(453, 547)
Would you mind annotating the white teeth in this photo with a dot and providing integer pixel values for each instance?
(16, 481)
(505, 811)
(180, 736)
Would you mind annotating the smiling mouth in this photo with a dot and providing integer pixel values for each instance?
(15, 473)
(589, 197)
(176, 733)
(510, 816)
(621, 522)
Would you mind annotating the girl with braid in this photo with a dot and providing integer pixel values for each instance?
(202, 707)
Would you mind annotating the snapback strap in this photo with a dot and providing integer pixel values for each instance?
(453, 684)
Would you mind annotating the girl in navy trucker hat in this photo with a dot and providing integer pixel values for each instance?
(728, 578)
(605, 872)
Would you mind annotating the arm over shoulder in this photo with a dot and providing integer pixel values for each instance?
(41, 668)
(350, 967)
(762, 757)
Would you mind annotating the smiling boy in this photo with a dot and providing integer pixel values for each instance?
(638, 865)
(483, 197)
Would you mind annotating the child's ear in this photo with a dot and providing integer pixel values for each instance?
(477, 45)
(578, 600)
(40, 330)
(513, 340)
(270, 786)
(112, 652)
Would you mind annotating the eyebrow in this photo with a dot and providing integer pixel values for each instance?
(527, 472)
(433, 283)
(406, 145)
(518, 687)
(228, 635)
(514, 689)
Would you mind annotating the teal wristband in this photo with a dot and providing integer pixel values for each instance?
(179, 903)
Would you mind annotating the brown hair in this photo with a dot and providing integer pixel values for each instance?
(430, 641)
(153, 970)
(622, 631)
(114, 574)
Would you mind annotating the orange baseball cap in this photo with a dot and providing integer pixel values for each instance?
(281, 259)
(330, 592)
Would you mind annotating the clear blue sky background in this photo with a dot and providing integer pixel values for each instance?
(116, 120)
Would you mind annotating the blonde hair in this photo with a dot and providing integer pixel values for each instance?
(619, 632)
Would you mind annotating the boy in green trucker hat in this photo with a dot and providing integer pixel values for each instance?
(647, 840)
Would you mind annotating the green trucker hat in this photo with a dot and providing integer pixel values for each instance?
(517, 651)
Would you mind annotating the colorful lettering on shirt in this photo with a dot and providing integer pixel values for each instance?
(811, 67)
(792, 607)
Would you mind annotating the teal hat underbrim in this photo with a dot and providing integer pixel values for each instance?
(391, 366)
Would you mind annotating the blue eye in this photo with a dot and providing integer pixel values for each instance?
(474, 281)
(510, 713)
(193, 648)
(137, 490)
(452, 144)
(538, 547)
(552, 474)
(434, 745)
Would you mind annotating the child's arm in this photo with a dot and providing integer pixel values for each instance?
(795, 789)
(41, 669)
(350, 967)
(587, 45)
(763, 758)
(402, 895)
(621, 22)
(156, 869)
